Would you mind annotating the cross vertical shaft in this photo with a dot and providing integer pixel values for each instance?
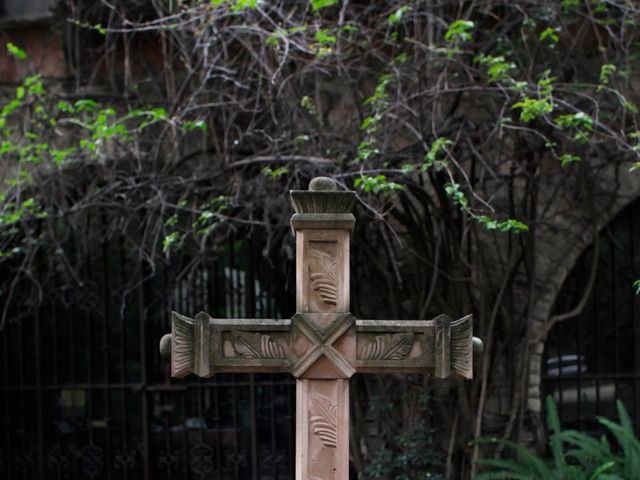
(322, 227)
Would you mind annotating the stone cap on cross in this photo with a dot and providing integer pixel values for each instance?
(323, 344)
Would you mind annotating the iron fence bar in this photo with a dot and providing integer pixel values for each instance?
(20, 342)
(74, 373)
(123, 359)
(6, 422)
(597, 329)
(579, 353)
(56, 368)
(635, 260)
(249, 295)
(212, 283)
(39, 409)
(105, 345)
(185, 307)
(142, 313)
(614, 312)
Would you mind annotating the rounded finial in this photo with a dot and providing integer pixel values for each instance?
(478, 346)
(165, 346)
(322, 184)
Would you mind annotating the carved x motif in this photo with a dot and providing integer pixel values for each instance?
(322, 341)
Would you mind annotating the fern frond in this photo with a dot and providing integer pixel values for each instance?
(555, 441)
(597, 474)
(537, 467)
(588, 451)
(514, 466)
(502, 475)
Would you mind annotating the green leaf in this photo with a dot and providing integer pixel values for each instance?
(377, 184)
(170, 240)
(498, 71)
(307, 103)
(535, 467)
(453, 191)
(86, 105)
(242, 4)
(275, 37)
(16, 51)
(636, 286)
(324, 36)
(396, 16)
(275, 173)
(532, 108)
(567, 158)
(550, 34)
(606, 71)
(438, 147)
(632, 107)
(320, 4)
(459, 30)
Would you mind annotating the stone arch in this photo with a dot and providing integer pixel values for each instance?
(622, 189)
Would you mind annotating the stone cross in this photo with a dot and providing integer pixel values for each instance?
(323, 344)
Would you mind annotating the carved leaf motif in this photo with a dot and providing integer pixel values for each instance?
(324, 420)
(388, 347)
(461, 346)
(182, 351)
(324, 276)
(257, 346)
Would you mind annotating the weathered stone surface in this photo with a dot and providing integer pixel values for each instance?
(320, 184)
(322, 201)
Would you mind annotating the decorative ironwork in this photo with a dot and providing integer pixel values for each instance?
(91, 460)
(271, 459)
(201, 459)
(169, 459)
(235, 458)
(59, 460)
(125, 459)
(24, 459)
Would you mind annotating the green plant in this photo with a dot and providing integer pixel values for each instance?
(459, 30)
(573, 455)
(411, 455)
(498, 67)
(377, 184)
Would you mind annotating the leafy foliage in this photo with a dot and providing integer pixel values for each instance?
(411, 455)
(574, 455)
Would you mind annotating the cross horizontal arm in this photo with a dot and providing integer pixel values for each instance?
(441, 346)
(205, 345)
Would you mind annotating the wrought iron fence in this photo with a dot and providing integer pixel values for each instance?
(84, 393)
(593, 359)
